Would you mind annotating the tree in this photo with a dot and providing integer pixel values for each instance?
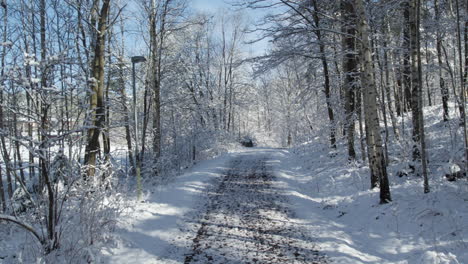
(443, 89)
(374, 141)
(350, 70)
(420, 110)
(316, 26)
(5, 153)
(463, 80)
(406, 55)
(416, 81)
(96, 97)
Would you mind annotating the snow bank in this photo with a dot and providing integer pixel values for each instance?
(333, 197)
(350, 226)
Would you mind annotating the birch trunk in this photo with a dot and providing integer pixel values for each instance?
(374, 139)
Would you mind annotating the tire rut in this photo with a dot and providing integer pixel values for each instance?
(247, 220)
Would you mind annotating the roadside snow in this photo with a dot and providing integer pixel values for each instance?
(332, 203)
(333, 199)
(149, 228)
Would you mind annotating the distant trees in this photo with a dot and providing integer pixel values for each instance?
(397, 79)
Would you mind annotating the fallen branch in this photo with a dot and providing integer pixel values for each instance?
(26, 226)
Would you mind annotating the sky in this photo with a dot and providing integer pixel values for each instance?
(208, 5)
(213, 6)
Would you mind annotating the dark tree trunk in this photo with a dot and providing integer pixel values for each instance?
(420, 99)
(462, 83)
(97, 115)
(443, 89)
(2, 194)
(5, 153)
(350, 71)
(387, 83)
(415, 82)
(406, 56)
(326, 74)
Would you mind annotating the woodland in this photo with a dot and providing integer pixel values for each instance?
(102, 101)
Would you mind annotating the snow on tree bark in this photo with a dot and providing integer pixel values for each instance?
(350, 71)
(96, 97)
(374, 140)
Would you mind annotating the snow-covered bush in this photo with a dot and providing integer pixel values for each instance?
(85, 211)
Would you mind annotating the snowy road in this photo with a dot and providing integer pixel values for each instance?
(265, 205)
(248, 220)
(234, 209)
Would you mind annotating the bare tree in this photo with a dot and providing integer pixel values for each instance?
(374, 141)
(462, 80)
(97, 89)
(350, 69)
(443, 89)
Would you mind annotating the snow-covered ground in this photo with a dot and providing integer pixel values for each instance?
(331, 202)
(149, 228)
(352, 227)
(329, 199)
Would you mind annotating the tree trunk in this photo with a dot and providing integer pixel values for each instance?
(106, 129)
(51, 219)
(5, 154)
(428, 83)
(2, 194)
(128, 136)
(123, 98)
(386, 63)
(415, 82)
(374, 147)
(17, 135)
(420, 105)
(97, 115)
(326, 74)
(443, 89)
(350, 70)
(156, 71)
(406, 55)
(462, 83)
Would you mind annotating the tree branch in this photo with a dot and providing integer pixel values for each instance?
(25, 226)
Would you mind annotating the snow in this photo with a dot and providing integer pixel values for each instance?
(330, 200)
(333, 196)
(150, 226)
(332, 204)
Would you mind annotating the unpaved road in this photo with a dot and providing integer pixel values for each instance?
(247, 219)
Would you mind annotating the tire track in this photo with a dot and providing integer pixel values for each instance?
(247, 220)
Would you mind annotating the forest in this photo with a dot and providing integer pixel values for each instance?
(172, 114)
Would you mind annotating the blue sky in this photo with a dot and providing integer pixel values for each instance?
(215, 5)
(208, 5)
